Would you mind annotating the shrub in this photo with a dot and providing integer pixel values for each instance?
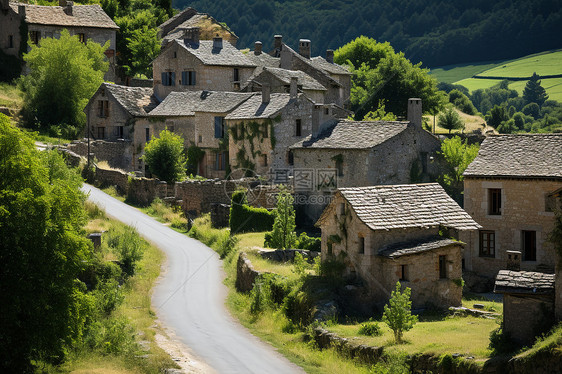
(128, 245)
(260, 297)
(283, 235)
(112, 336)
(501, 342)
(370, 328)
(398, 312)
(308, 243)
(219, 240)
(164, 156)
(298, 307)
(108, 296)
(244, 218)
(300, 265)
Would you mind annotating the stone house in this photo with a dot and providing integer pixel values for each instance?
(199, 117)
(190, 64)
(385, 234)
(511, 189)
(89, 22)
(189, 18)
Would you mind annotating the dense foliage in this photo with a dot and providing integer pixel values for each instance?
(449, 119)
(457, 155)
(283, 235)
(64, 75)
(437, 32)
(165, 156)
(245, 218)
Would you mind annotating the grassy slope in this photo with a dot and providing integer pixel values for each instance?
(546, 63)
(454, 73)
(10, 96)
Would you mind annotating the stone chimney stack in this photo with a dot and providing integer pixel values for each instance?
(513, 260)
(257, 48)
(217, 42)
(21, 11)
(191, 35)
(265, 93)
(330, 56)
(304, 48)
(293, 89)
(415, 112)
(68, 7)
(62, 2)
(277, 42)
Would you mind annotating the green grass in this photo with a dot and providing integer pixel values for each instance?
(552, 86)
(455, 73)
(10, 96)
(545, 63)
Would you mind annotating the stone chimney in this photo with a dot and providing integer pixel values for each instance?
(277, 42)
(415, 112)
(330, 56)
(293, 89)
(21, 11)
(68, 8)
(513, 260)
(265, 93)
(191, 35)
(62, 2)
(217, 42)
(304, 48)
(316, 114)
(257, 48)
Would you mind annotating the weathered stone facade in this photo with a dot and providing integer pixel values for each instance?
(118, 154)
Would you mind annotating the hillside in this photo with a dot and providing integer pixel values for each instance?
(437, 32)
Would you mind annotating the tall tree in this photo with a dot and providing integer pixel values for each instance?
(534, 92)
(165, 156)
(283, 235)
(450, 120)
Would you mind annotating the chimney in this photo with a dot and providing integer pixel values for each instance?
(191, 36)
(265, 93)
(21, 11)
(304, 48)
(415, 112)
(217, 42)
(68, 8)
(277, 42)
(513, 260)
(316, 114)
(330, 56)
(257, 48)
(293, 90)
(62, 2)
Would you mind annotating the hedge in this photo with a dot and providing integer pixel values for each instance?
(244, 218)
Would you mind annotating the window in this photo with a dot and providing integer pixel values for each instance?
(171, 128)
(101, 132)
(529, 245)
(236, 75)
(298, 128)
(327, 111)
(442, 267)
(290, 158)
(341, 209)
(82, 37)
(10, 41)
(168, 78)
(175, 54)
(403, 272)
(119, 132)
(339, 167)
(147, 134)
(34, 37)
(103, 108)
(494, 201)
(265, 129)
(219, 127)
(220, 160)
(188, 78)
(487, 243)
(361, 248)
(48, 34)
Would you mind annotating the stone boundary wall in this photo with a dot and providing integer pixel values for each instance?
(118, 154)
(72, 159)
(220, 215)
(143, 191)
(198, 196)
(117, 178)
(245, 274)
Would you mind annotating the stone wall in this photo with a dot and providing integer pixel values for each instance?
(118, 154)
(526, 316)
(558, 292)
(117, 178)
(143, 191)
(220, 214)
(523, 208)
(198, 196)
(245, 274)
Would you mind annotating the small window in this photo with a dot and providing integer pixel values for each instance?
(171, 128)
(103, 108)
(101, 132)
(361, 247)
(529, 245)
(341, 209)
(263, 160)
(298, 127)
(236, 75)
(147, 134)
(199, 139)
(327, 111)
(329, 247)
(487, 243)
(10, 41)
(48, 34)
(120, 132)
(495, 201)
(339, 167)
(219, 127)
(442, 267)
(168, 78)
(175, 54)
(34, 37)
(265, 130)
(220, 160)
(404, 272)
(290, 158)
(82, 37)
(188, 78)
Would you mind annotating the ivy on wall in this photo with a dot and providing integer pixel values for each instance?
(254, 133)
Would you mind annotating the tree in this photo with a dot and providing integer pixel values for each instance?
(496, 116)
(42, 252)
(398, 312)
(64, 75)
(144, 47)
(450, 120)
(461, 102)
(379, 114)
(534, 92)
(283, 235)
(457, 156)
(165, 156)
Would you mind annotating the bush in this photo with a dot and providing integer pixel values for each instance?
(308, 243)
(370, 328)
(298, 307)
(128, 245)
(108, 296)
(260, 297)
(112, 336)
(300, 265)
(398, 312)
(219, 240)
(244, 218)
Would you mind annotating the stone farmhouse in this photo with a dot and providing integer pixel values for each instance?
(89, 22)
(386, 234)
(511, 189)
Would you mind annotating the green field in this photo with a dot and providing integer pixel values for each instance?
(546, 63)
(455, 73)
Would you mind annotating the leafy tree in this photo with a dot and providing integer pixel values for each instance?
(519, 120)
(398, 312)
(507, 127)
(144, 47)
(450, 120)
(461, 102)
(379, 114)
(42, 252)
(534, 92)
(496, 116)
(165, 156)
(64, 75)
(457, 156)
(532, 109)
(283, 235)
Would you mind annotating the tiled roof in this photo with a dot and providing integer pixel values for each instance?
(353, 135)
(194, 21)
(407, 206)
(307, 82)
(416, 246)
(314, 66)
(228, 55)
(137, 101)
(255, 108)
(524, 282)
(82, 16)
(187, 103)
(332, 68)
(263, 60)
(523, 156)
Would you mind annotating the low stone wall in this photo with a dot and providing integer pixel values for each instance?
(288, 255)
(143, 191)
(118, 154)
(220, 214)
(245, 274)
(117, 178)
(365, 354)
(72, 159)
(198, 196)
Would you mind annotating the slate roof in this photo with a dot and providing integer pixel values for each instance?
(228, 55)
(314, 66)
(416, 246)
(255, 108)
(187, 103)
(82, 16)
(193, 21)
(518, 156)
(524, 282)
(263, 60)
(137, 101)
(307, 82)
(353, 135)
(406, 206)
(332, 68)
